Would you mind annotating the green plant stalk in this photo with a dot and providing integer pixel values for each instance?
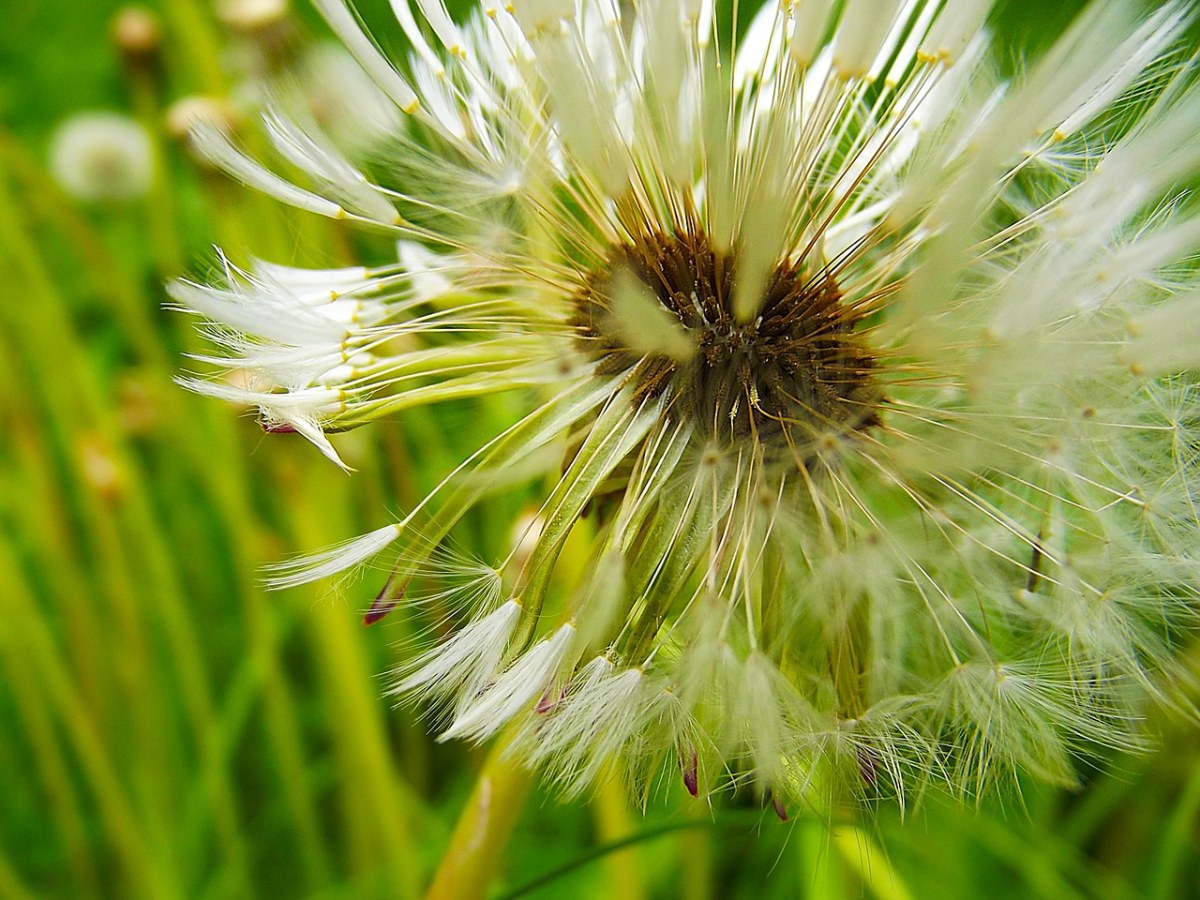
(381, 810)
(1175, 840)
(10, 883)
(696, 853)
(283, 728)
(49, 204)
(207, 431)
(225, 484)
(820, 873)
(42, 659)
(750, 819)
(74, 403)
(195, 33)
(862, 855)
(158, 207)
(378, 808)
(27, 690)
(472, 858)
(64, 806)
(613, 823)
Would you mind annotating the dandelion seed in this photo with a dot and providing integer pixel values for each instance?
(515, 689)
(870, 370)
(461, 666)
(335, 559)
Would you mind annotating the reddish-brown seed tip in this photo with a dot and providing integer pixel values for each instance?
(867, 766)
(387, 599)
(550, 699)
(276, 427)
(691, 776)
(378, 610)
(777, 805)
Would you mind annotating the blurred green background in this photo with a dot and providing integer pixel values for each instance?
(171, 730)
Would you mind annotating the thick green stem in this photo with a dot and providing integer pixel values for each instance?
(614, 823)
(484, 826)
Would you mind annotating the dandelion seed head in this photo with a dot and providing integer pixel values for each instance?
(102, 157)
(863, 374)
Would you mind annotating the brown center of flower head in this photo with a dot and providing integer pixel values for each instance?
(795, 371)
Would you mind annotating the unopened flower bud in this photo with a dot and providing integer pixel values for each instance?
(100, 469)
(185, 114)
(265, 30)
(251, 16)
(137, 33)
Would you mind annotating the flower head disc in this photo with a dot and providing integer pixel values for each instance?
(660, 311)
(857, 369)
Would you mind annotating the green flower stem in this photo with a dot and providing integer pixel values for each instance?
(10, 883)
(614, 822)
(28, 692)
(861, 854)
(820, 871)
(46, 202)
(162, 226)
(41, 658)
(484, 826)
(196, 37)
(1173, 847)
(380, 812)
(52, 352)
(696, 853)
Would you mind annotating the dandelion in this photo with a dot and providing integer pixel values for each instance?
(860, 367)
(102, 157)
